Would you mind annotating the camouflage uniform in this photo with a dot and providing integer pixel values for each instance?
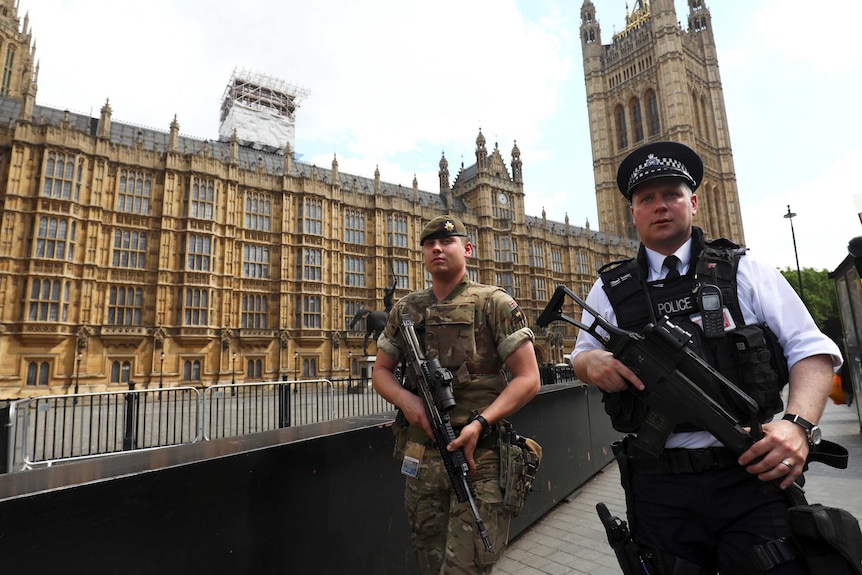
(471, 332)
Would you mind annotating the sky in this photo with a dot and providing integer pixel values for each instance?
(394, 84)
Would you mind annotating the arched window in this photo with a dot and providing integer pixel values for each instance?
(622, 134)
(696, 107)
(652, 113)
(705, 117)
(192, 370)
(637, 120)
(38, 373)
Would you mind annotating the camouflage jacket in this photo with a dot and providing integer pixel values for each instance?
(472, 332)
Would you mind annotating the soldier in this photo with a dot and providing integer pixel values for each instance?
(698, 506)
(473, 330)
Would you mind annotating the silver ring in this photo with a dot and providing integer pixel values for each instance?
(787, 463)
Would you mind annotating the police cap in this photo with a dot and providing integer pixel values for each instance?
(442, 227)
(659, 160)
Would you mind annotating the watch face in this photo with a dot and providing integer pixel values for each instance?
(814, 435)
(503, 199)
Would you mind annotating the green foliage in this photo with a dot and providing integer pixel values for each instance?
(820, 298)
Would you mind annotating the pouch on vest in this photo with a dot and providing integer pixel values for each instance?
(830, 539)
(519, 461)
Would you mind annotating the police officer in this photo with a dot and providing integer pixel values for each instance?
(473, 330)
(700, 507)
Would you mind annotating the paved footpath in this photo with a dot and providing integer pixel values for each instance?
(570, 539)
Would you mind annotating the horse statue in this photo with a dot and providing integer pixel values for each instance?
(376, 319)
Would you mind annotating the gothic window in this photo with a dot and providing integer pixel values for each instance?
(582, 265)
(502, 248)
(121, 371)
(537, 254)
(55, 239)
(38, 373)
(473, 274)
(8, 70)
(309, 367)
(130, 249)
(652, 112)
(134, 194)
(696, 107)
(556, 260)
(192, 370)
(537, 289)
(60, 177)
(703, 109)
(312, 264)
(45, 298)
(354, 227)
(311, 312)
(637, 120)
(195, 309)
(202, 201)
(354, 271)
(254, 309)
(401, 269)
(622, 134)
(254, 369)
(506, 281)
(255, 261)
(198, 253)
(125, 305)
(258, 212)
(396, 227)
(312, 214)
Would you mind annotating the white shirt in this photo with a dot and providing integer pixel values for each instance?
(764, 297)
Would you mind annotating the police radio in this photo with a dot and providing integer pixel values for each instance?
(711, 310)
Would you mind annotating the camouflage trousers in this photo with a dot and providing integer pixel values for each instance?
(444, 533)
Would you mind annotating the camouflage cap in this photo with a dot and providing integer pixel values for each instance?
(442, 227)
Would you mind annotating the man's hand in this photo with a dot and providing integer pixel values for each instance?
(467, 440)
(779, 455)
(414, 411)
(600, 368)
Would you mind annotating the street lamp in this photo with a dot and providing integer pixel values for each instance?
(161, 374)
(790, 215)
(78, 371)
(232, 373)
(349, 369)
(295, 365)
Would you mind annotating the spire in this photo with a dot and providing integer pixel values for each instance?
(174, 136)
(481, 152)
(591, 32)
(517, 174)
(105, 120)
(334, 170)
(444, 174)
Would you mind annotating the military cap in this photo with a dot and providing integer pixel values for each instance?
(442, 227)
(659, 160)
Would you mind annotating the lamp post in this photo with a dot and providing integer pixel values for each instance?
(790, 215)
(161, 374)
(232, 373)
(349, 369)
(295, 365)
(77, 373)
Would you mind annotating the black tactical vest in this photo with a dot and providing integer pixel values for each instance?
(747, 355)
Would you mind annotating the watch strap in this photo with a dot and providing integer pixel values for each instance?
(486, 427)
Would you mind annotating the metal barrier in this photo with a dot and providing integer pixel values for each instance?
(55, 428)
(42, 431)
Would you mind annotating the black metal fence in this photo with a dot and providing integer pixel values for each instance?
(52, 429)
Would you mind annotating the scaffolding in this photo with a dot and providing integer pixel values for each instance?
(260, 109)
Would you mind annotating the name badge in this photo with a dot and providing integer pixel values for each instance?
(413, 454)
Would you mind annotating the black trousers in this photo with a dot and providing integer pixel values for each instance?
(711, 518)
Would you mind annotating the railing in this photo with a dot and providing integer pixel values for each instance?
(53, 429)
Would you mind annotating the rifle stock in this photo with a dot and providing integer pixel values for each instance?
(434, 382)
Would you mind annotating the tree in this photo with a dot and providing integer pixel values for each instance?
(820, 299)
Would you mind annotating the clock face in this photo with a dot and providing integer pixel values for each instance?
(503, 199)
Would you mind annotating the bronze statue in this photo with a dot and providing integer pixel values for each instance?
(376, 319)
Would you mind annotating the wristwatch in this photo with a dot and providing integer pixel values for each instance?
(486, 427)
(811, 431)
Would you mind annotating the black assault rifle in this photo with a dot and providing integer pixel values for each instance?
(662, 357)
(434, 384)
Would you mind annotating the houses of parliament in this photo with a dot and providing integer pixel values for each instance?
(130, 254)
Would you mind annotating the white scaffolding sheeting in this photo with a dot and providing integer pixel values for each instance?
(261, 109)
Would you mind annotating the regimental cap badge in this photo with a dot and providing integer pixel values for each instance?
(441, 227)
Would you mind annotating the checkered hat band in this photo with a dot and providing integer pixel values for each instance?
(654, 165)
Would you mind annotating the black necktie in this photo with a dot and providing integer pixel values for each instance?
(670, 262)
